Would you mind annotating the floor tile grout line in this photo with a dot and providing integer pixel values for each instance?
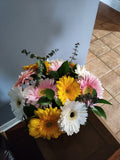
(109, 93)
(107, 44)
(103, 35)
(117, 132)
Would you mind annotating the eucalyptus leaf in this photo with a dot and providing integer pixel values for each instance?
(39, 63)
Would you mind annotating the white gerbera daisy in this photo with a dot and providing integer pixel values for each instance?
(72, 116)
(17, 102)
(81, 71)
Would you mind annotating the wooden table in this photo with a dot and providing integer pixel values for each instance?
(93, 142)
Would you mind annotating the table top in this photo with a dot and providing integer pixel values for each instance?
(93, 142)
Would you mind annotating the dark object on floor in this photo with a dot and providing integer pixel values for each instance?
(5, 153)
(22, 145)
(93, 142)
(115, 156)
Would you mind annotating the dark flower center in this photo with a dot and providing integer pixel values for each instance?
(48, 124)
(18, 102)
(72, 114)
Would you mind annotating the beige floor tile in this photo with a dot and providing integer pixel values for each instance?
(93, 38)
(111, 40)
(117, 33)
(117, 49)
(106, 95)
(111, 82)
(100, 32)
(111, 58)
(90, 57)
(98, 47)
(118, 98)
(113, 115)
(97, 67)
(117, 70)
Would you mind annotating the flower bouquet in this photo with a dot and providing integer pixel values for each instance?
(53, 96)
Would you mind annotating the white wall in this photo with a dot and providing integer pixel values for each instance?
(39, 26)
(115, 4)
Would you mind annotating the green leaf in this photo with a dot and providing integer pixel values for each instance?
(94, 92)
(75, 67)
(49, 93)
(39, 63)
(58, 102)
(99, 111)
(44, 101)
(54, 74)
(44, 69)
(34, 76)
(29, 110)
(63, 69)
(103, 101)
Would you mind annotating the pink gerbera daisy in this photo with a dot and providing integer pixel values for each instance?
(88, 83)
(55, 65)
(33, 94)
(25, 77)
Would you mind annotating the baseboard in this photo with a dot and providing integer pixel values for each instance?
(9, 125)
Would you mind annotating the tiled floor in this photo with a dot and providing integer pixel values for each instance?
(103, 60)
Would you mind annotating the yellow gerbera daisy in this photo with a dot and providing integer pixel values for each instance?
(46, 125)
(68, 88)
(47, 65)
(31, 66)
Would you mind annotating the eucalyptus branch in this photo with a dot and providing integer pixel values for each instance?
(24, 51)
(86, 97)
(74, 54)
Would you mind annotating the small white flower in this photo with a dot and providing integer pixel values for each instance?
(17, 102)
(81, 71)
(73, 115)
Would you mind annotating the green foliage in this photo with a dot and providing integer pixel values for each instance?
(103, 101)
(94, 92)
(50, 94)
(29, 110)
(60, 72)
(75, 52)
(44, 101)
(54, 74)
(63, 69)
(99, 111)
(24, 51)
(58, 102)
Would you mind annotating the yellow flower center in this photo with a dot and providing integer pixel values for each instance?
(87, 90)
(42, 92)
(67, 91)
